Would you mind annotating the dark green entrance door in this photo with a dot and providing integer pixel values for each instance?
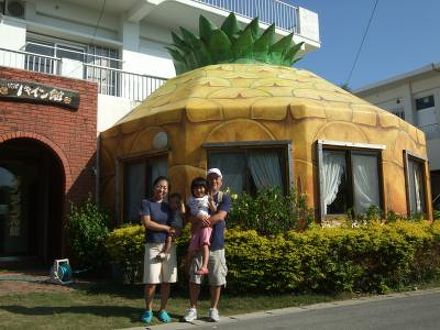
(31, 200)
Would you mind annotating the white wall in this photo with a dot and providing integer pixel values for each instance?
(394, 98)
(406, 91)
(67, 18)
(434, 154)
(12, 36)
(111, 109)
(143, 55)
(12, 33)
(309, 25)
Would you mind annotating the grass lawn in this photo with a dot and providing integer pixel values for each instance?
(107, 305)
(110, 306)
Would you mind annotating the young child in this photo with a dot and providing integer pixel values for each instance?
(176, 204)
(200, 205)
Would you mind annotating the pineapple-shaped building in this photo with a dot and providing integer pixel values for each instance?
(237, 104)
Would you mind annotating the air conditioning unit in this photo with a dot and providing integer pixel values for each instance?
(14, 8)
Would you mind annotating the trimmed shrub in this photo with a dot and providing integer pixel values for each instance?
(374, 258)
(87, 231)
(125, 247)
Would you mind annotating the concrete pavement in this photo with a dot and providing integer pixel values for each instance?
(225, 320)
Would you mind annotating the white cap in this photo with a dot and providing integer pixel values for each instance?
(215, 171)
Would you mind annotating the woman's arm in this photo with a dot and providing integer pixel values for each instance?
(154, 226)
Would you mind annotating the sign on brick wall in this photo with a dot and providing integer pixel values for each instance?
(37, 93)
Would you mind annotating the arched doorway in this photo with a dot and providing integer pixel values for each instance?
(32, 183)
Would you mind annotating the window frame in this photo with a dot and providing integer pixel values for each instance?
(347, 147)
(423, 96)
(407, 157)
(285, 147)
(121, 163)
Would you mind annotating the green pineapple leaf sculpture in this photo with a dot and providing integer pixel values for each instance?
(231, 44)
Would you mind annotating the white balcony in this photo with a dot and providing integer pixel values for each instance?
(171, 14)
(287, 18)
(111, 81)
(284, 15)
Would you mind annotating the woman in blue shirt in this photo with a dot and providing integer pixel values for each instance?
(156, 216)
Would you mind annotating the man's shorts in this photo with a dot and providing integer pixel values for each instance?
(216, 266)
(156, 272)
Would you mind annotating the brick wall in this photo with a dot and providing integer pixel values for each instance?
(70, 134)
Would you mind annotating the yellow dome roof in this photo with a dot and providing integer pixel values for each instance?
(218, 90)
(253, 91)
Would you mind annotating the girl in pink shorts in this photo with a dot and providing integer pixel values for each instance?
(200, 205)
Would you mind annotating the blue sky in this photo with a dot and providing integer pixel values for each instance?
(404, 35)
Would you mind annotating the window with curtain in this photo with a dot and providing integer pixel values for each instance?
(138, 181)
(349, 179)
(415, 185)
(249, 169)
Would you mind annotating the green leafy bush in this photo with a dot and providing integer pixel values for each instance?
(87, 231)
(270, 212)
(125, 247)
(373, 258)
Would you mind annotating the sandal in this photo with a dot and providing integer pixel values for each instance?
(147, 317)
(164, 316)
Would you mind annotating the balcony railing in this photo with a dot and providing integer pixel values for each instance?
(29, 61)
(121, 83)
(113, 82)
(284, 16)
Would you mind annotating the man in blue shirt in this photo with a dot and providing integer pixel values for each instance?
(217, 262)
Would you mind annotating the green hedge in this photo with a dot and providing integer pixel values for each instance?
(125, 246)
(374, 258)
(369, 259)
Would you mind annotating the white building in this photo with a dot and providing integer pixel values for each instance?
(415, 97)
(120, 44)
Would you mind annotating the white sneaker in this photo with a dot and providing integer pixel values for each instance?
(190, 314)
(213, 314)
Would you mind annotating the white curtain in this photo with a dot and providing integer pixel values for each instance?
(233, 168)
(333, 168)
(265, 169)
(416, 193)
(365, 182)
(419, 189)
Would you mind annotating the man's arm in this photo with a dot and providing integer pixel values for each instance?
(222, 211)
(219, 216)
(196, 221)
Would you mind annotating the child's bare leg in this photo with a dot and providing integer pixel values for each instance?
(205, 255)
